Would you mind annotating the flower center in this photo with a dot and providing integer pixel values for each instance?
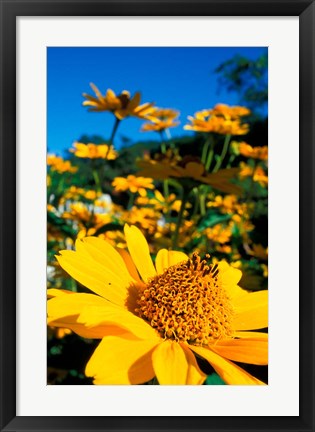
(187, 303)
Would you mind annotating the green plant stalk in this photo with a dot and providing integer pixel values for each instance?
(223, 154)
(205, 149)
(97, 180)
(111, 139)
(131, 200)
(210, 157)
(180, 219)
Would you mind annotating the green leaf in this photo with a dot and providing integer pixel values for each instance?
(214, 379)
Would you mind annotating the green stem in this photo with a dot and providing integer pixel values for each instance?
(97, 180)
(205, 150)
(111, 139)
(166, 189)
(131, 200)
(210, 157)
(163, 145)
(223, 154)
(196, 204)
(202, 200)
(231, 160)
(180, 218)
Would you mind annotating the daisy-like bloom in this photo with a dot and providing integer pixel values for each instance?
(94, 151)
(156, 321)
(161, 119)
(204, 121)
(60, 165)
(253, 152)
(189, 170)
(121, 105)
(219, 233)
(258, 174)
(133, 184)
(230, 112)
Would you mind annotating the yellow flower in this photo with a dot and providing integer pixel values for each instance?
(258, 174)
(230, 112)
(161, 119)
(222, 119)
(61, 166)
(156, 321)
(189, 168)
(93, 151)
(219, 233)
(133, 184)
(253, 152)
(259, 251)
(121, 105)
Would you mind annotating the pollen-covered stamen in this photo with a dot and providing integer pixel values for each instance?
(187, 303)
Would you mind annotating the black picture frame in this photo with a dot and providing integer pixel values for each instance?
(10, 10)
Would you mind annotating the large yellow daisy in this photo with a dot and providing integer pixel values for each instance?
(157, 320)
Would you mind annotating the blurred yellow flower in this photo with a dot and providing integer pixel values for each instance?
(259, 251)
(133, 184)
(219, 125)
(253, 152)
(230, 112)
(94, 151)
(146, 218)
(161, 119)
(88, 220)
(58, 164)
(219, 233)
(189, 168)
(121, 105)
(258, 174)
(155, 321)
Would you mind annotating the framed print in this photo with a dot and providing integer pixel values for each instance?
(158, 161)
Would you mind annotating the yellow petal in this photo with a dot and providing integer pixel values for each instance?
(139, 251)
(228, 371)
(56, 292)
(251, 335)
(243, 350)
(230, 277)
(165, 259)
(105, 254)
(100, 316)
(251, 311)
(64, 310)
(70, 305)
(129, 264)
(118, 360)
(174, 365)
(134, 101)
(99, 279)
(195, 376)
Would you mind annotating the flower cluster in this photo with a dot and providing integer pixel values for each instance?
(158, 257)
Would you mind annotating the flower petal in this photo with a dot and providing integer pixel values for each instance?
(106, 255)
(139, 251)
(165, 259)
(251, 335)
(243, 350)
(251, 311)
(117, 360)
(129, 264)
(99, 316)
(230, 277)
(64, 310)
(175, 365)
(228, 371)
(99, 279)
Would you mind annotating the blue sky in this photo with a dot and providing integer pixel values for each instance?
(180, 78)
